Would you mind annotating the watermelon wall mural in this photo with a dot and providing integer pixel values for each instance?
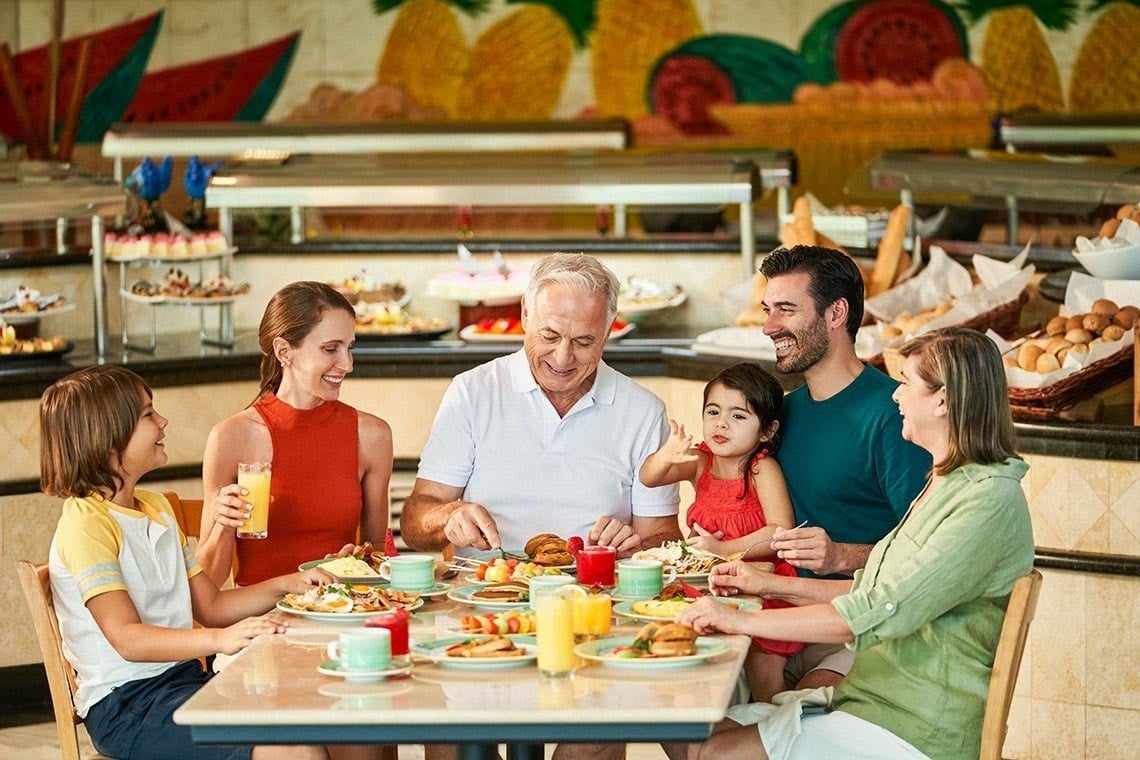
(758, 73)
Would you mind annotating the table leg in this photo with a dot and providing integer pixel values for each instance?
(526, 751)
(473, 751)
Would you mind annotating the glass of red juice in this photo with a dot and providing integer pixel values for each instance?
(397, 623)
(596, 566)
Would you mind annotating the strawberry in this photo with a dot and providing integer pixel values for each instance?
(390, 544)
(575, 544)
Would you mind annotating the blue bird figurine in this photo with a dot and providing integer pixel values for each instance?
(148, 182)
(195, 180)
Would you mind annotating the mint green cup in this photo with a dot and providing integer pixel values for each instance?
(642, 578)
(409, 572)
(362, 649)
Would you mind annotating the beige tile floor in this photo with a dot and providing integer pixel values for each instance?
(38, 742)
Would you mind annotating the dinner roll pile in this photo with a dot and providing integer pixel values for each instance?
(1104, 323)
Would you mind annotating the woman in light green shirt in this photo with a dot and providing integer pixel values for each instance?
(925, 614)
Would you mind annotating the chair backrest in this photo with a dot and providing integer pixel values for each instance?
(61, 677)
(1007, 662)
(188, 512)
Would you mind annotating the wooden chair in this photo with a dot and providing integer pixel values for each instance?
(1007, 662)
(61, 677)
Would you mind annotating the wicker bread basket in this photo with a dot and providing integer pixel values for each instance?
(1004, 320)
(1047, 401)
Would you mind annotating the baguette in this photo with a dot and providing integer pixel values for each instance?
(802, 227)
(890, 251)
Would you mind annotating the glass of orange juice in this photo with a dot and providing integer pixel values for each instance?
(554, 631)
(254, 478)
(592, 614)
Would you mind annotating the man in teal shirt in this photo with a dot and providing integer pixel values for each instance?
(850, 474)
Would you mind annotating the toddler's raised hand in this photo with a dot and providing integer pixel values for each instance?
(677, 448)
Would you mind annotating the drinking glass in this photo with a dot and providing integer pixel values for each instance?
(554, 621)
(254, 477)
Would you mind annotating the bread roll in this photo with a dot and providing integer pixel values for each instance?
(1075, 322)
(890, 251)
(1047, 363)
(1104, 306)
(1079, 348)
(1126, 317)
(1028, 355)
(1056, 325)
(1062, 354)
(1125, 211)
(1094, 323)
(1078, 335)
(1108, 229)
(1009, 361)
(1112, 332)
(1056, 344)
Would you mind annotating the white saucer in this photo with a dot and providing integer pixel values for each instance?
(333, 668)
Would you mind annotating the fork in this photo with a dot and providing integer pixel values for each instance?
(740, 555)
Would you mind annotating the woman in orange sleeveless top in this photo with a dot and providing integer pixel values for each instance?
(331, 462)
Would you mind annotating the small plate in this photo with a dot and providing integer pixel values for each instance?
(334, 668)
(433, 650)
(364, 334)
(627, 308)
(468, 334)
(463, 596)
(53, 354)
(28, 317)
(182, 300)
(371, 580)
(342, 617)
(625, 609)
(601, 650)
(490, 554)
(439, 589)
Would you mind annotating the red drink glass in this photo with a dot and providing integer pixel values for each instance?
(397, 623)
(596, 566)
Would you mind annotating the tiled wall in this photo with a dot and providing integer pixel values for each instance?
(1078, 694)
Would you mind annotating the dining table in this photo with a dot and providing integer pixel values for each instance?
(279, 690)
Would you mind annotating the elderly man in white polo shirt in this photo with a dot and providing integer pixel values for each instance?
(547, 439)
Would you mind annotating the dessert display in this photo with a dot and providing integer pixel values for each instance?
(175, 285)
(639, 294)
(10, 345)
(505, 329)
(28, 301)
(127, 247)
(363, 286)
(391, 319)
(468, 288)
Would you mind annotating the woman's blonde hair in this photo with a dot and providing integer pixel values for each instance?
(291, 314)
(86, 421)
(968, 365)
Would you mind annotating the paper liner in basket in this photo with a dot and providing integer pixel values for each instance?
(1083, 290)
(1018, 378)
(1001, 283)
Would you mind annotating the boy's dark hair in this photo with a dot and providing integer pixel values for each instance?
(833, 274)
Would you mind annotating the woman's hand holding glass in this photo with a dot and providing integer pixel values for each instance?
(230, 507)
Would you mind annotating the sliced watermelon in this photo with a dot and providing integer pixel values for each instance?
(721, 68)
(817, 46)
(238, 86)
(900, 40)
(118, 59)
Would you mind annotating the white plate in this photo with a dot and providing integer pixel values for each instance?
(624, 609)
(342, 617)
(371, 580)
(334, 668)
(641, 307)
(433, 650)
(27, 317)
(168, 258)
(181, 300)
(468, 334)
(490, 554)
(601, 650)
(463, 596)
